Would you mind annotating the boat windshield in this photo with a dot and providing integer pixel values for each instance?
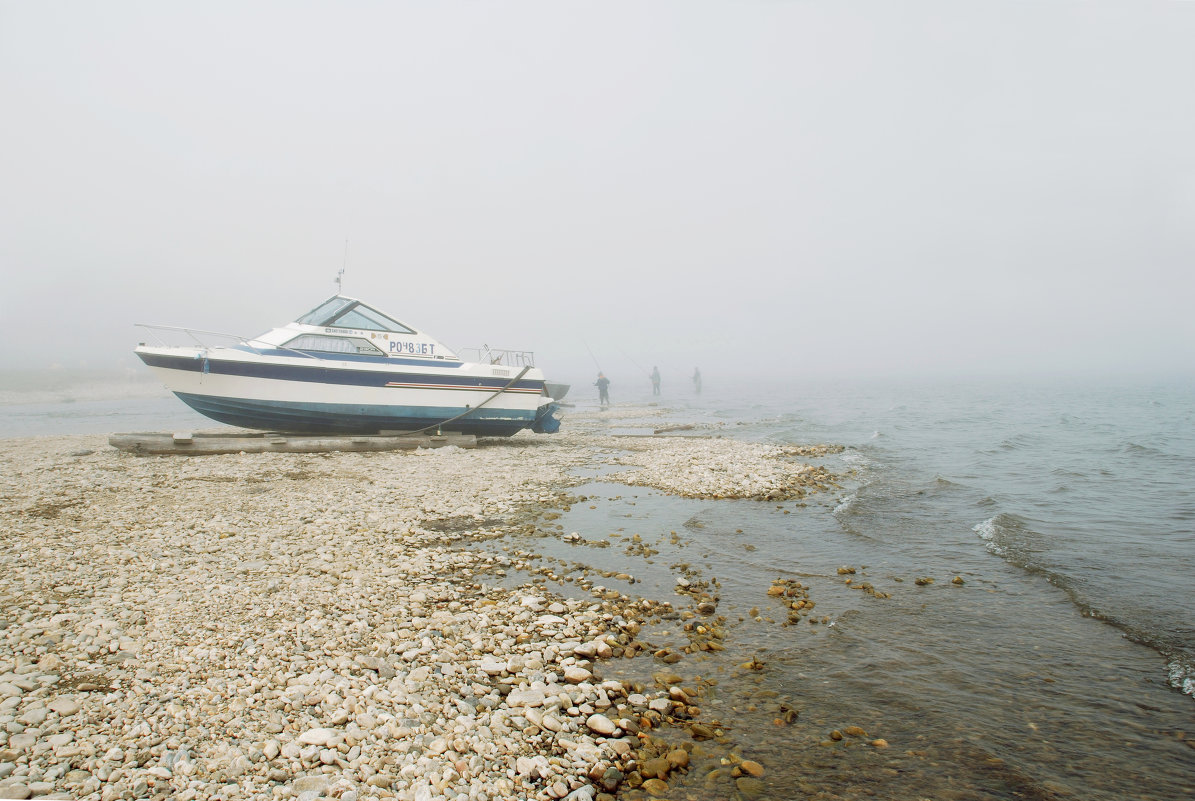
(348, 313)
(363, 317)
(324, 313)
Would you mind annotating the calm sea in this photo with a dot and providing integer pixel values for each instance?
(1063, 665)
(35, 403)
(1087, 486)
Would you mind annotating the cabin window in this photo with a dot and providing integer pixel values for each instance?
(363, 317)
(345, 312)
(324, 312)
(326, 344)
(349, 313)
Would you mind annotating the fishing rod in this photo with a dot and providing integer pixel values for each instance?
(637, 364)
(595, 361)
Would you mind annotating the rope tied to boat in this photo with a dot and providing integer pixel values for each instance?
(471, 409)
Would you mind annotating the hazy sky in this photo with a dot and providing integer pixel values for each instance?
(821, 187)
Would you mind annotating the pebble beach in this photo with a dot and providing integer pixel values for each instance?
(306, 626)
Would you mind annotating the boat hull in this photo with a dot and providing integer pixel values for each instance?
(347, 397)
(343, 418)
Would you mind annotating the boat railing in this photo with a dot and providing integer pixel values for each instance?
(508, 358)
(196, 333)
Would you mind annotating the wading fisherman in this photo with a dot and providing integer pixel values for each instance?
(603, 385)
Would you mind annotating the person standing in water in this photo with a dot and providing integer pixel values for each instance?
(655, 380)
(697, 380)
(603, 385)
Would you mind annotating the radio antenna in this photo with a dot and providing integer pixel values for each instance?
(340, 275)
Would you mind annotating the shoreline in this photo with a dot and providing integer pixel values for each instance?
(284, 625)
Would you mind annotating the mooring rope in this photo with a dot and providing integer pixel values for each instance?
(470, 410)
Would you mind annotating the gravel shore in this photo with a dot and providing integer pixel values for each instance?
(310, 626)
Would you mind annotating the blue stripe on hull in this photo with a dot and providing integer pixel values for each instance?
(389, 361)
(337, 418)
(315, 372)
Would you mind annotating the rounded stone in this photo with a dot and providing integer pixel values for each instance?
(307, 784)
(751, 767)
(65, 707)
(576, 675)
(34, 717)
(655, 768)
(530, 698)
(750, 787)
(655, 787)
(678, 758)
(601, 724)
(321, 736)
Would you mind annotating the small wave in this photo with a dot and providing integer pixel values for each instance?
(1017, 442)
(1183, 511)
(1140, 450)
(845, 505)
(987, 532)
(876, 435)
(1182, 676)
(855, 458)
(1007, 536)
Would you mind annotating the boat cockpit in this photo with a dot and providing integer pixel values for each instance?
(348, 313)
(350, 327)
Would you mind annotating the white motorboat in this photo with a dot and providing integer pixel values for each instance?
(345, 367)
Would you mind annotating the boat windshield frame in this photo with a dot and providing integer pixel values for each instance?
(334, 309)
(327, 310)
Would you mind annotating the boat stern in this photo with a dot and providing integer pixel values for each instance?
(545, 420)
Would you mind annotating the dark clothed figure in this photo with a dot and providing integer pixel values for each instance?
(603, 385)
(655, 380)
(697, 380)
